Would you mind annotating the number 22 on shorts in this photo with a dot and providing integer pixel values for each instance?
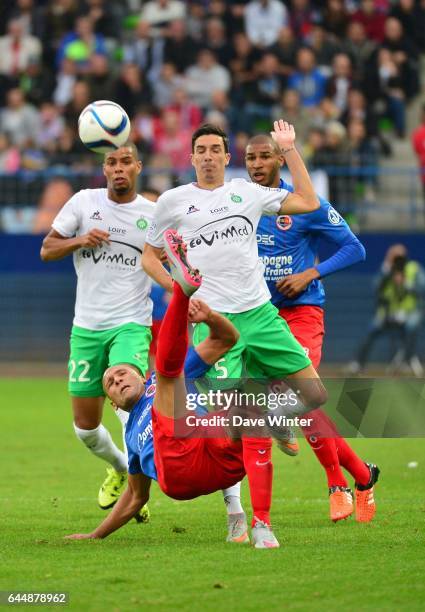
(82, 377)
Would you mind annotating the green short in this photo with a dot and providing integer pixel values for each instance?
(94, 351)
(266, 347)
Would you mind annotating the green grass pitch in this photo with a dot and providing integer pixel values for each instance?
(180, 560)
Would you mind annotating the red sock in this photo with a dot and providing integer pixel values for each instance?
(257, 459)
(324, 448)
(173, 338)
(351, 462)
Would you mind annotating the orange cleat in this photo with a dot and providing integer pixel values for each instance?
(341, 503)
(365, 501)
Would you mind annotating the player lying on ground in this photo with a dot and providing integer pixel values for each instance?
(289, 246)
(184, 468)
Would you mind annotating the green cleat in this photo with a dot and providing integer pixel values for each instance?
(112, 487)
(143, 516)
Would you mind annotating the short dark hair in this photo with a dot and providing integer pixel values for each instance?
(209, 128)
(265, 139)
(129, 145)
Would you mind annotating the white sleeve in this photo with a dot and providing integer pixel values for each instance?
(162, 220)
(67, 221)
(270, 199)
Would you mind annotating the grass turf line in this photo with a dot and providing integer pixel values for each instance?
(50, 487)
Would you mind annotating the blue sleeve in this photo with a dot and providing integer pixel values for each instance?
(330, 226)
(194, 366)
(134, 466)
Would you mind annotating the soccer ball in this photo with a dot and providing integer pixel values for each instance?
(103, 126)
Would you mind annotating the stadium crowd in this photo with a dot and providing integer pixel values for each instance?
(339, 70)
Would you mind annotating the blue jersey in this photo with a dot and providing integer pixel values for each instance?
(289, 245)
(138, 432)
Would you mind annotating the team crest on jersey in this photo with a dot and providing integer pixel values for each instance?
(235, 198)
(150, 390)
(334, 216)
(142, 223)
(192, 209)
(284, 222)
(96, 216)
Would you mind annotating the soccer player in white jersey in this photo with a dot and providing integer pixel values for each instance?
(104, 230)
(218, 221)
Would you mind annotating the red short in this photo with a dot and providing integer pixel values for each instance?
(155, 331)
(307, 325)
(190, 467)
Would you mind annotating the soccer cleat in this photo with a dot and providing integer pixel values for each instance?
(288, 443)
(263, 536)
(112, 487)
(182, 272)
(143, 516)
(365, 502)
(341, 503)
(237, 528)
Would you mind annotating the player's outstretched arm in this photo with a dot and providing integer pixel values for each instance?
(56, 246)
(223, 334)
(304, 198)
(131, 501)
(151, 263)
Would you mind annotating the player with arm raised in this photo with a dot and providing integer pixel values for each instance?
(104, 230)
(218, 220)
(288, 246)
(185, 467)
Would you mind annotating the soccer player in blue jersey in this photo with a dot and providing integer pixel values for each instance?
(184, 467)
(288, 246)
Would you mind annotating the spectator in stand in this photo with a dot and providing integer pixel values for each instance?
(18, 119)
(301, 18)
(290, 108)
(340, 82)
(17, 49)
(132, 90)
(80, 99)
(144, 51)
(418, 143)
(359, 110)
(324, 46)
(179, 46)
(285, 49)
(55, 195)
(263, 21)
(50, 127)
(242, 67)
(79, 44)
(363, 161)
(37, 83)
(30, 16)
(190, 115)
(372, 20)
(10, 159)
(106, 17)
(65, 82)
(216, 40)
(307, 79)
(225, 112)
(264, 92)
(69, 152)
(159, 13)
(166, 84)
(358, 47)
(58, 20)
(404, 54)
(336, 18)
(205, 77)
(99, 78)
(173, 142)
(313, 147)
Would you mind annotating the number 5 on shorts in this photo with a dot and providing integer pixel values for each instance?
(82, 377)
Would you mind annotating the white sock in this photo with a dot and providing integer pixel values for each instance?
(100, 443)
(232, 499)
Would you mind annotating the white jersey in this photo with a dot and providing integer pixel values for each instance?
(112, 287)
(219, 227)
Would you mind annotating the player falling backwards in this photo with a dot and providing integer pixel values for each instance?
(184, 467)
(218, 220)
(104, 230)
(288, 246)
